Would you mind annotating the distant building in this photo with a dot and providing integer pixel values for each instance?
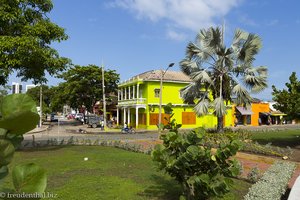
(29, 87)
(16, 88)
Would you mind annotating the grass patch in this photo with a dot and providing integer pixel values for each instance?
(109, 173)
(281, 138)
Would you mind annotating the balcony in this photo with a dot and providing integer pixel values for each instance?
(128, 102)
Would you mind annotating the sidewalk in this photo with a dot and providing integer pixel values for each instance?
(38, 130)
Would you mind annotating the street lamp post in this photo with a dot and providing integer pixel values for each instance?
(160, 93)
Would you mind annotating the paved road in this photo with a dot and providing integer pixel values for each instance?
(67, 129)
(64, 129)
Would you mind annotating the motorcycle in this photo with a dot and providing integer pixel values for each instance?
(129, 130)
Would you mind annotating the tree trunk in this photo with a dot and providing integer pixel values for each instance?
(220, 125)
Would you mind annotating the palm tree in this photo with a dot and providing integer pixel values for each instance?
(220, 74)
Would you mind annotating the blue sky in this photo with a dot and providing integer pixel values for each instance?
(133, 36)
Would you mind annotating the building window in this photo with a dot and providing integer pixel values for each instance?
(188, 118)
(154, 118)
(156, 92)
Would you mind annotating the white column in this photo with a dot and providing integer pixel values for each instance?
(118, 95)
(133, 92)
(129, 96)
(122, 93)
(125, 93)
(117, 116)
(124, 115)
(136, 117)
(128, 121)
(137, 91)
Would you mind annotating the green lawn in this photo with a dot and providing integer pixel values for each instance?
(109, 173)
(282, 138)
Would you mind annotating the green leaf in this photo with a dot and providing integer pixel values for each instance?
(193, 150)
(29, 178)
(15, 139)
(2, 132)
(213, 158)
(20, 122)
(3, 172)
(7, 151)
(16, 103)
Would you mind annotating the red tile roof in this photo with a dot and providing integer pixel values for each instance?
(175, 76)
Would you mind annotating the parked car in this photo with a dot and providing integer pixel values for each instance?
(71, 116)
(94, 121)
(53, 117)
(79, 117)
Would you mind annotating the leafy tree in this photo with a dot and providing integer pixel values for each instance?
(47, 94)
(26, 34)
(58, 98)
(288, 100)
(83, 86)
(3, 91)
(201, 173)
(219, 73)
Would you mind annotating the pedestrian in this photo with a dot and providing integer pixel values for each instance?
(235, 122)
(102, 125)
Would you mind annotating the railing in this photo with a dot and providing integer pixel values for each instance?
(132, 101)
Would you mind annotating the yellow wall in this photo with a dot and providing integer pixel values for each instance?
(171, 94)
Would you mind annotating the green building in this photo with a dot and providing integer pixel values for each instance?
(138, 102)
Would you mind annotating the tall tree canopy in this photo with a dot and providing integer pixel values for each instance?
(288, 100)
(224, 72)
(83, 86)
(48, 95)
(26, 34)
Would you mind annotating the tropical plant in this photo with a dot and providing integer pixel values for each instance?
(288, 100)
(19, 116)
(171, 123)
(220, 74)
(202, 172)
(26, 35)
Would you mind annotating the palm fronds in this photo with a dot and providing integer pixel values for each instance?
(219, 106)
(242, 95)
(202, 107)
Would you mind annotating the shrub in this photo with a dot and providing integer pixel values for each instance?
(254, 175)
(193, 164)
(273, 183)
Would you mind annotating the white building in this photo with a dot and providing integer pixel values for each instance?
(16, 88)
(29, 87)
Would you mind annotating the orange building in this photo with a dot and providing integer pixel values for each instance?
(260, 110)
(251, 114)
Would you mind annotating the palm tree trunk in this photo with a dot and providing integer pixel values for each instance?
(220, 125)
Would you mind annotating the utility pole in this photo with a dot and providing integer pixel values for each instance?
(41, 104)
(160, 95)
(104, 100)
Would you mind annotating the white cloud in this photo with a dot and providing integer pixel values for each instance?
(245, 19)
(273, 22)
(187, 14)
(171, 34)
